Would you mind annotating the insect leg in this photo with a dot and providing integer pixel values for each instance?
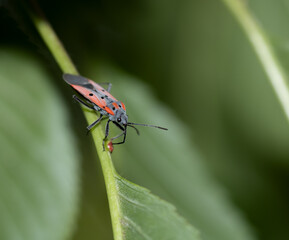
(82, 102)
(119, 135)
(119, 126)
(109, 86)
(94, 123)
(124, 137)
(106, 133)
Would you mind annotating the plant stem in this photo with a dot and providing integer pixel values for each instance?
(57, 50)
(264, 51)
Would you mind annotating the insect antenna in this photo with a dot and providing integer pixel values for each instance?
(146, 125)
(137, 131)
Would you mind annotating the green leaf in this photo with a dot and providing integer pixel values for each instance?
(145, 216)
(38, 160)
(168, 163)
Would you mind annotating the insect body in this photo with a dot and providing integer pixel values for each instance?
(98, 99)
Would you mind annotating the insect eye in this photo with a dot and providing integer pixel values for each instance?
(119, 119)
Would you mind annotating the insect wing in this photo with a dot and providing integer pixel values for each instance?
(77, 80)
(90, 95)
(97, 87)
(88, 89)
(101, 89)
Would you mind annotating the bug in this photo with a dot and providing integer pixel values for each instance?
(96, 98)
(110, 146)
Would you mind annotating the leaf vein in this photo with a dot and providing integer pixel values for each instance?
(136, 227)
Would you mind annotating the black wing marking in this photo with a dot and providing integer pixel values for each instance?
(77, 80)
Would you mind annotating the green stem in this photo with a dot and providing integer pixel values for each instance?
(264, 51)
(57, 50)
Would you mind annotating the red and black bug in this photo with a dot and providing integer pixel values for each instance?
(99, 99)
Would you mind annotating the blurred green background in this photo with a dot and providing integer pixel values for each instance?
(200, 65)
